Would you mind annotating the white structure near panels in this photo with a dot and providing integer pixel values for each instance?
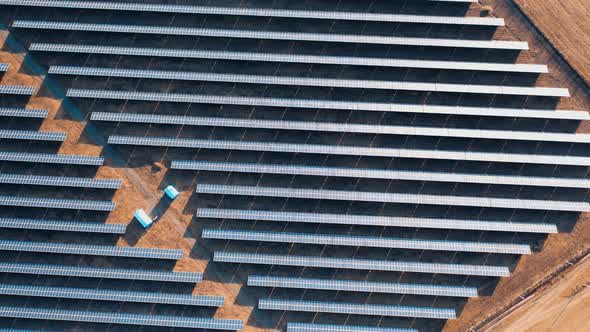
(261, 12)
(272, 35)
(120, 318)
(327, 104)
(312, 327)
(111, 295)
(357, 309)
(360, 264)
(361, 286)
(364, 241)
(379, 174)
(100, 272)
(89, 249)
(62, 225)
(368, 220)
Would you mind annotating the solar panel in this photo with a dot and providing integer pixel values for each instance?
(349, 150)
(365, 196)
(261, 12)
(16, 90)
(111, 295)
(49, 158)
(57, 203)
(62, 225)
(300, 58)
(100, 272)
(340, 127)
(89, 249)
(342, 219)
(327, 104)
(365, 241)
(60, 181)
(360, 264)
(379, 174)
(306, 327)
(314, 81)
(3, 66)
(120, 318)
(361, 286)
(23, 112)
(357, 309)
(31, 135)
(272, 35)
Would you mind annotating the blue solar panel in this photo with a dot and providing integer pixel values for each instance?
(16, 90)
(120, 318)
(100, 272)
(88, 249)
(23, 112)
(111, 295)
(60, 181)
(357, 309)
(48, 158)
(303, 327)
(3, 66)
(62, 225)
(31, 135)
(57, 203)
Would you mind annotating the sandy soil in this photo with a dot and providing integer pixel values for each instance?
(566, 24)
(558, 307)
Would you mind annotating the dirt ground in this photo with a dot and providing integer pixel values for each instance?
(565, 23)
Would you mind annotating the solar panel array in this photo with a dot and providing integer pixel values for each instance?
(285, 100)
(120, 318)
(57, 203)
(110, 295)
(23, 112)
(62, 225)
(30, 135)
(3, 66)
(16, 90)
(60, 181)
(48, 158)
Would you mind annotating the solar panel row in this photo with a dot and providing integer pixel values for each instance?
(379, 174)
(31, 135)
(357, 309)
(16, 90)
(311, 327)
(100, 272)
(364, 241)
(339, 127)
(350, 150)
(3, 67)
(23, 112)
(326, 104)
(361, 286)
(62, 225)
(314, 81)
(89, 249)
(48, 158)
(365, 196)
(57, 203)
(360, 264)
(366, 220)
(111, 295)
(262, 12)
(272, 35)
(60, 181)
(120, 318)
